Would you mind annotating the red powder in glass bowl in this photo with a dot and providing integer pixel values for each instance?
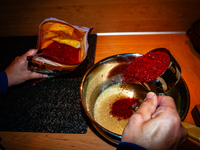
(147, 67)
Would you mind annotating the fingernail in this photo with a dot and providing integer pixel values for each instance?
(150, 95)
(33, 51)
(45, 76)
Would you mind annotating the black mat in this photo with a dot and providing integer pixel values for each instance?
(52, 105)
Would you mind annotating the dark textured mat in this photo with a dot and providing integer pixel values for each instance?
(52, 105)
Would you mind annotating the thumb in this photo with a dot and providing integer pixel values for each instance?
(148, 107)
(30, 52)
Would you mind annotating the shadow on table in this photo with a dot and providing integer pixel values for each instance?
(189, 44)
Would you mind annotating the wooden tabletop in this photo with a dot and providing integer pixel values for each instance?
(180, 47)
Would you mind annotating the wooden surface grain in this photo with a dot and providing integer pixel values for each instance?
(22, 17)
(180, 47)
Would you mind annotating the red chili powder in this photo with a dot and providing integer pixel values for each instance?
(62, 53)
(147, 67)
(122, 108)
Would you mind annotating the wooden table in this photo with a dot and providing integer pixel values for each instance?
(180, 47)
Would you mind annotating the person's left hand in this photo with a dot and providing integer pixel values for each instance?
(18, 73)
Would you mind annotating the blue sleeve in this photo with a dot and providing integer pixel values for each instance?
(3, 82)
(129, 146)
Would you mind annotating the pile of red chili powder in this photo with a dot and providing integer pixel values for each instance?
(122, 108)
(147, 67)
(62, 53)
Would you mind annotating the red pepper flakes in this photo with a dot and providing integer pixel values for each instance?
(122, 108)
(146, 68)
(62, 53)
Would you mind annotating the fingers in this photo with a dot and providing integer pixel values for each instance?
(148, 107)
(23, 58)
(34, 75)
(165, 103)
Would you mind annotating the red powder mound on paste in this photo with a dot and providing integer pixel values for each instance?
(146, 68)
(122, 108)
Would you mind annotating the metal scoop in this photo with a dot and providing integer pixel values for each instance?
(167, 79)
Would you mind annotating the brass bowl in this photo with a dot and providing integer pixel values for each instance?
(107, 73)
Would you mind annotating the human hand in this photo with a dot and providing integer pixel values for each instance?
(18, 73)
(156, 125)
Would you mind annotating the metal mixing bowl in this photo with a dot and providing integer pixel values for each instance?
(106, 73)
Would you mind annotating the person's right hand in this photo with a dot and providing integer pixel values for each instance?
(156, 125)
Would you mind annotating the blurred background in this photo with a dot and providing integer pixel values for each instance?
(22, 17)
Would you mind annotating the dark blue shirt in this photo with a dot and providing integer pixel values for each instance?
(129, 146)
(3, 82)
